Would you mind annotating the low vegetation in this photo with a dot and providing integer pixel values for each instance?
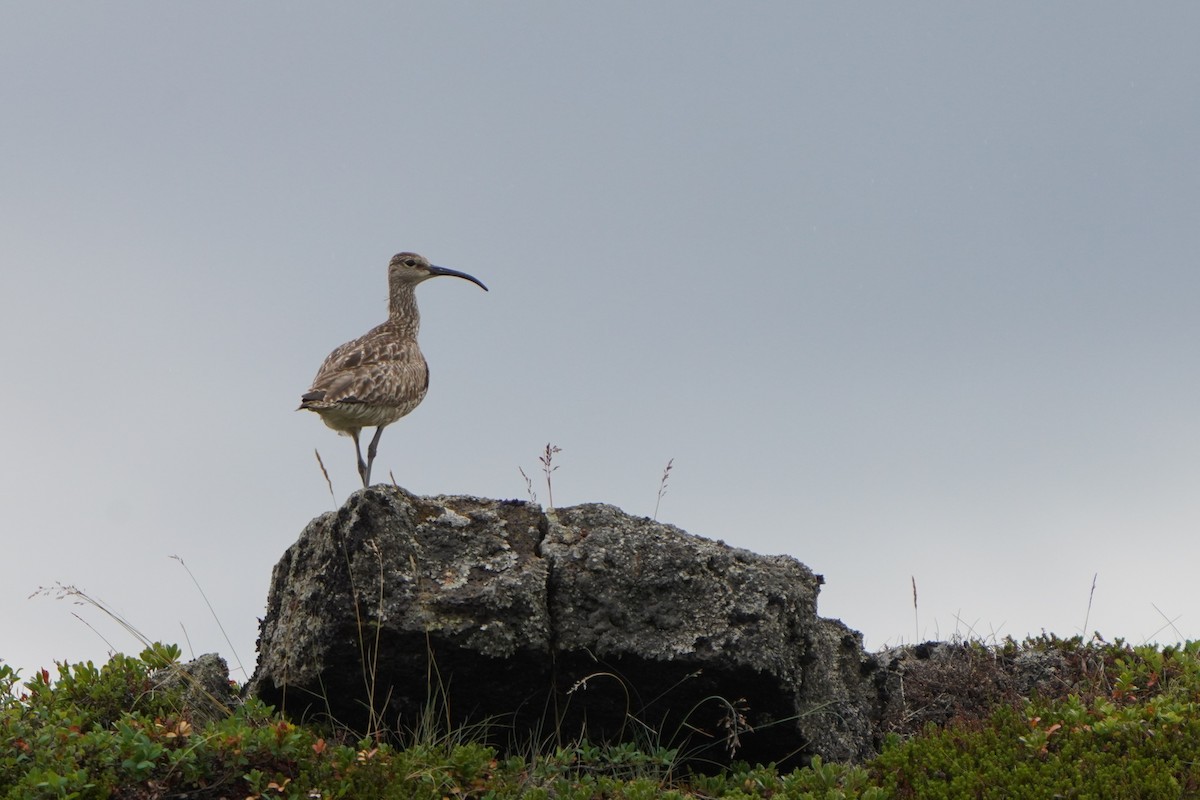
(1127, 724)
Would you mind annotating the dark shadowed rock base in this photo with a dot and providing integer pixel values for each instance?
(558, 625)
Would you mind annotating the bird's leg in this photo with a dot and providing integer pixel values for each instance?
(364, 471)
(371, 450)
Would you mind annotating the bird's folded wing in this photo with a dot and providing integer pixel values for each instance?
(387, 383)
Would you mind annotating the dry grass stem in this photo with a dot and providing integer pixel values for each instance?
(1088, 614)
(1170, 623)
(916, 618)
(546, 458)
(369, 647)
(528, 486)
(325, 472)
(79, 597)
(662, 486)
(188, 639)
(734, 722)
(212, 611)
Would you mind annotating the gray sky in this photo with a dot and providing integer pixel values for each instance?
(907, 291)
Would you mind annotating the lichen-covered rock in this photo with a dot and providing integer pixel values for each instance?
(205, 690)
(359, 602)
(576, 621)
(624, 585)
(839, 697)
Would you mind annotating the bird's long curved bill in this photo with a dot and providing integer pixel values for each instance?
(435, 271)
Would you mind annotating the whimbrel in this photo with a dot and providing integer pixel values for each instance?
(380, 376)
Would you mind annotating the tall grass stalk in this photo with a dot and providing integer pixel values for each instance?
(1088, 614)
(215, 617)
(325, 472)
(662, 487)
(546, 458)
(916, 616)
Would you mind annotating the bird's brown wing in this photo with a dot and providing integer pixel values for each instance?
(373, 369)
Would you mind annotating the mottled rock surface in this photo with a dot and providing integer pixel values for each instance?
(555, 623)
(207, 693)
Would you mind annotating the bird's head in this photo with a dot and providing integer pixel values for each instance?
(412, 269)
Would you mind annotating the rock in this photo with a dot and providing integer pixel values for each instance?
(937, 682)
(552, 626)
(964, 680)
(207, 694)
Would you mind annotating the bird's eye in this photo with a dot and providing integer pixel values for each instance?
(411, 262)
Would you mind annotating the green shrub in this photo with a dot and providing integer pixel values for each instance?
(1129, 727)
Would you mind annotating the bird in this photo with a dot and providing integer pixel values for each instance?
(382, 375)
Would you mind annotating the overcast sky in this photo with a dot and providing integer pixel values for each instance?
(908, 291)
